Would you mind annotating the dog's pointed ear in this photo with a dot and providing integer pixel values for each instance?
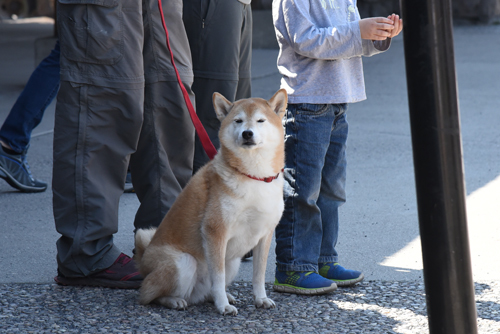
(279, 102)
(221, 105)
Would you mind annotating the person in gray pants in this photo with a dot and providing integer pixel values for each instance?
(119, 100)
(220, 36)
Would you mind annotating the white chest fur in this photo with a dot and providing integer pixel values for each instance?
(252, 212)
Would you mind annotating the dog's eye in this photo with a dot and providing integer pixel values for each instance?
(238, 121)
(261, 120)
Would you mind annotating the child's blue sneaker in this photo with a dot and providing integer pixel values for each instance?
(302, 283)
(340, 275)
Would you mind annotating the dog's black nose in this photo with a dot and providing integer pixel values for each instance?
(247, 134)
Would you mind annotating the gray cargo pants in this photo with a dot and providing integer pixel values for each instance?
(119, 102)
(220, 36)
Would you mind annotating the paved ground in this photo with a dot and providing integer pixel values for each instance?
(379, 223)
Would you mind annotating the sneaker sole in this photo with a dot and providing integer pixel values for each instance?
(302, 291)
(19, 186)
(97, 282)
(348, 282)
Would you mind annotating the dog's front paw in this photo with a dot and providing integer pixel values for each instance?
(230, 298)
(264, 303)
(228, 309)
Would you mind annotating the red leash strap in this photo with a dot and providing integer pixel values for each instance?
(200, 130)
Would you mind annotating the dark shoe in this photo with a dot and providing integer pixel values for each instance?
(121, 275)
(248, 255)
(129, 188)
(15, 170)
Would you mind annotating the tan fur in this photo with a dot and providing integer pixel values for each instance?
(221, 214)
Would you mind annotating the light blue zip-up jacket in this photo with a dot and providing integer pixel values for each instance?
(320, 50)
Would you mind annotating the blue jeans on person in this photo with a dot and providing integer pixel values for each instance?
(30, 106)
(315, 174)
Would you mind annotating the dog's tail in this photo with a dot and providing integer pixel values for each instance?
(142, 239)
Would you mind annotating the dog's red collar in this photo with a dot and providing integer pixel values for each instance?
(268, 179)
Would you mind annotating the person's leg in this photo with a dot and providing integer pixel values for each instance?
(331, 197)
(300, 231)
(204, 89)
(332, 193)
(30, 106)
(216, 31)
(97, 125)
(24, 116)
(14, 169)
(162, 164)
(93, 135)
(244, 89)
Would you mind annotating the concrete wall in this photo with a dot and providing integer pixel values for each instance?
(264, 36)
(473, 11)
(482, 11)
(464, 11)
(26, 8)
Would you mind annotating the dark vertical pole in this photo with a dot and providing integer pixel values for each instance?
(437, 154)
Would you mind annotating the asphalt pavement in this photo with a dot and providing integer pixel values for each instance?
(379, 231)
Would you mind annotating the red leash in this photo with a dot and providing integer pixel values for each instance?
(200, 130)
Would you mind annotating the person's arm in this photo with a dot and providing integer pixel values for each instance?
(377, 37)
(398, 25)
(309, 40)
(376, 28)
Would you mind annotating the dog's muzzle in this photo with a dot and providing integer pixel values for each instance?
(248, 139)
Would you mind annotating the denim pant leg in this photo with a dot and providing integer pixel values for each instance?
(30, 106)
(299, 236)
(332, 194)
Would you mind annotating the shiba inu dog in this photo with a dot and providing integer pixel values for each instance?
(230, 206)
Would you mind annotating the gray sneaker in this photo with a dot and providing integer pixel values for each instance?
(15, 170)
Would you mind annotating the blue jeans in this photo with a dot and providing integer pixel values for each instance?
(315, 173)
(30, 106)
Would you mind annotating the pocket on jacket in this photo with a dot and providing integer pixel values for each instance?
(91, 30)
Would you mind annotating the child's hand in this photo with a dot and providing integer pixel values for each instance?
(398, 25)
(376, 28)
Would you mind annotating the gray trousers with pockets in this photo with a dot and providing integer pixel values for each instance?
(220, 36)
(119, 104)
